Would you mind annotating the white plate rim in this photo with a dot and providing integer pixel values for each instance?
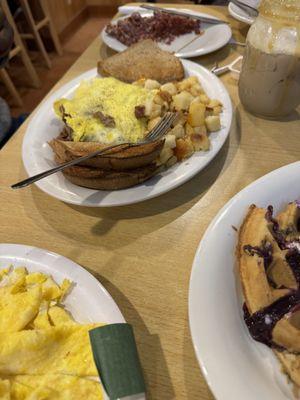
(233, 11)
(35, 255)
(200, 352)
(182, 54)
(132, 198)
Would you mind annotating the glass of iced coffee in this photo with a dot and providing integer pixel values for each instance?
(269, 84)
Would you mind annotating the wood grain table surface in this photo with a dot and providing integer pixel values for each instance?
(143, 253)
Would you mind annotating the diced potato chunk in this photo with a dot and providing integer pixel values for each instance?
(148, 107)
(196, 100)
(181, 118)
(170, 141)
(192, 80)
(153, 122)
(208, 112)
(200, 142)
(217, 110)
(214, 103)
(183, 85)
(158, 99)
(165, 155)
(165, 96)
(187, 83)
(165, 106)
(196, 114)
(182, 101)
(170, 88)
(213, 123)
(200, 129)
(184, 148)
(156, 111)
(196, 90)
(178, 131)
(151, 84)
(171, 161)
(204, 99)
(189, 129)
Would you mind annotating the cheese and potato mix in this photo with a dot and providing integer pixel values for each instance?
(44, 353)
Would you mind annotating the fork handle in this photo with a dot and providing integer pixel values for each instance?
(67, 164)
(184, 14)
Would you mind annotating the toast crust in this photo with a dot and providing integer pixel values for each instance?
(109, 180)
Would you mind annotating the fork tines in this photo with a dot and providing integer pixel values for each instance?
(162, 127)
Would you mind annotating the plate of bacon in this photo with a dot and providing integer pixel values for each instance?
(184, 36)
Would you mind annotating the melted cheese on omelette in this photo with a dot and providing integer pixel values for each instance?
(112, 98)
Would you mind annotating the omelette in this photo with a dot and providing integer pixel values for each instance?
(49, 387)
(63, 349)
(103, 110)
(44, 353)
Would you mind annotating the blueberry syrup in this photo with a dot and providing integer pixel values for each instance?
(298, 224)
(293, 259)
(265, 252)
(262, 322)
(277, 234)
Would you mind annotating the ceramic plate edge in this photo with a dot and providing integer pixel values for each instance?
(201, 245)
(96, 283)
(238, 17)
(188, 54)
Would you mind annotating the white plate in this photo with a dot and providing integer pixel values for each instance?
(88, 301)
(234, 365)
(44, 126)
(240, 14)
(213, 38)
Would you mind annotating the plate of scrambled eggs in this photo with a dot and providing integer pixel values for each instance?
(188, 148)
(47, 306)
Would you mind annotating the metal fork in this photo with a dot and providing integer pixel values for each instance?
(184, 14)
(155, 134)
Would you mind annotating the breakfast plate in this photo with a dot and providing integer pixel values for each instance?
(234, 365)
(44, 126)
(87, 302)
(213, 37)
(240, 14)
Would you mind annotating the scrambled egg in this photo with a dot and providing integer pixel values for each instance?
(112, 98)
(44, 353)
(49, 387)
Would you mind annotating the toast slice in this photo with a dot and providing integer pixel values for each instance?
(143, 60)
(95, 178)
(118, 159)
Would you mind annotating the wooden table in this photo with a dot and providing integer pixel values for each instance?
(143, 253)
